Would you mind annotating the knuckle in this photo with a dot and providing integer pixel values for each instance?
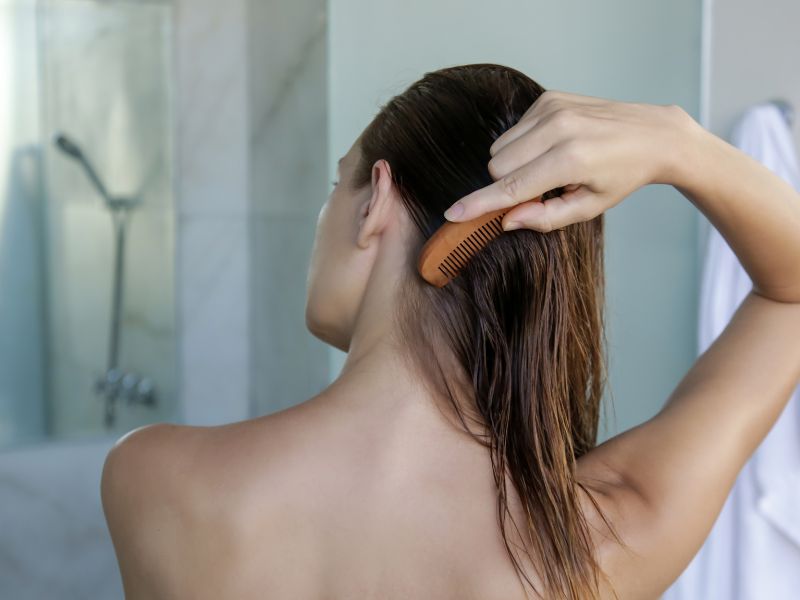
(510, 184)
(545, 225)
(574, 153)
(494, 168)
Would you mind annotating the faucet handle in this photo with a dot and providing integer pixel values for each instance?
(146, 392)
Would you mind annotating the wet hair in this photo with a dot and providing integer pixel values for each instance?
(519, 334)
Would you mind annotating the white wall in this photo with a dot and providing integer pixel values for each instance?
(622, 49)
(753, 55)
(741, 73)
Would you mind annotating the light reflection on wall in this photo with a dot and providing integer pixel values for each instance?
(22, 332)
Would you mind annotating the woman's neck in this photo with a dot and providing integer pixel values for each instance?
(378, 383)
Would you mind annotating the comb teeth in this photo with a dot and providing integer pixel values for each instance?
(453, 244)
(460, 255)
(471, 245)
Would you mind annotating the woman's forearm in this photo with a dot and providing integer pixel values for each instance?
(755, 210)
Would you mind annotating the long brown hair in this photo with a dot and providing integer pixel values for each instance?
(523, 322)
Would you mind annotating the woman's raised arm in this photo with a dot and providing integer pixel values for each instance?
(678, 468)
(669, 477)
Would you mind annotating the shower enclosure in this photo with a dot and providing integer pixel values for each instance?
(87, 219)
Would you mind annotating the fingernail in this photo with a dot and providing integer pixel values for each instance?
(454, 211)
(511, 225)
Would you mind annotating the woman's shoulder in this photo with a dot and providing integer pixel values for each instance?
(141, 458)
(167, 489)
(192, 467)
(152, 455)
(144, 496)
(153, 477)
(185, 463)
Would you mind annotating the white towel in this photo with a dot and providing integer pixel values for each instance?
(753, 550)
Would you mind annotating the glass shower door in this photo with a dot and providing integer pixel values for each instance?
(87, 340)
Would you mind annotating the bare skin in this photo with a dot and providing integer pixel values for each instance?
(368, 491)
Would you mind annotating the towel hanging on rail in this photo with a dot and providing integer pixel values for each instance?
(786, 108)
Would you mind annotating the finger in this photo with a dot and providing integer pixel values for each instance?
(522, 150)
(530, 181)
(520, 128)
(553, 213)
(541, 132)
(538, 111)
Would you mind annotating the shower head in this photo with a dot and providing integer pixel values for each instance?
(67, 145)
(71, 148)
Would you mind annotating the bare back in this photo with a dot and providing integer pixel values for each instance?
(304, 504)
(313, 503)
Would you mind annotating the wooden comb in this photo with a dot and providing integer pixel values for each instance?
(451, 246)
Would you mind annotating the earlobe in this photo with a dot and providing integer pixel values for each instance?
(374, 214)
(363, 227)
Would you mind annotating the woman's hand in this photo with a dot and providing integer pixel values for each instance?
(598, 150)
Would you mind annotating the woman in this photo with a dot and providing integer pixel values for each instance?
(454, 456)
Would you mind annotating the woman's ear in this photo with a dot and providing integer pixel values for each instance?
(375, 213)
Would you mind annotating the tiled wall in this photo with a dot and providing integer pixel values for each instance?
(289, 184)
(252, 147)
(213, 210)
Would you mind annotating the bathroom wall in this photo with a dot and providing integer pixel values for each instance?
(289, 184)
(741, 74)
(252, 174)
(213, 210)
